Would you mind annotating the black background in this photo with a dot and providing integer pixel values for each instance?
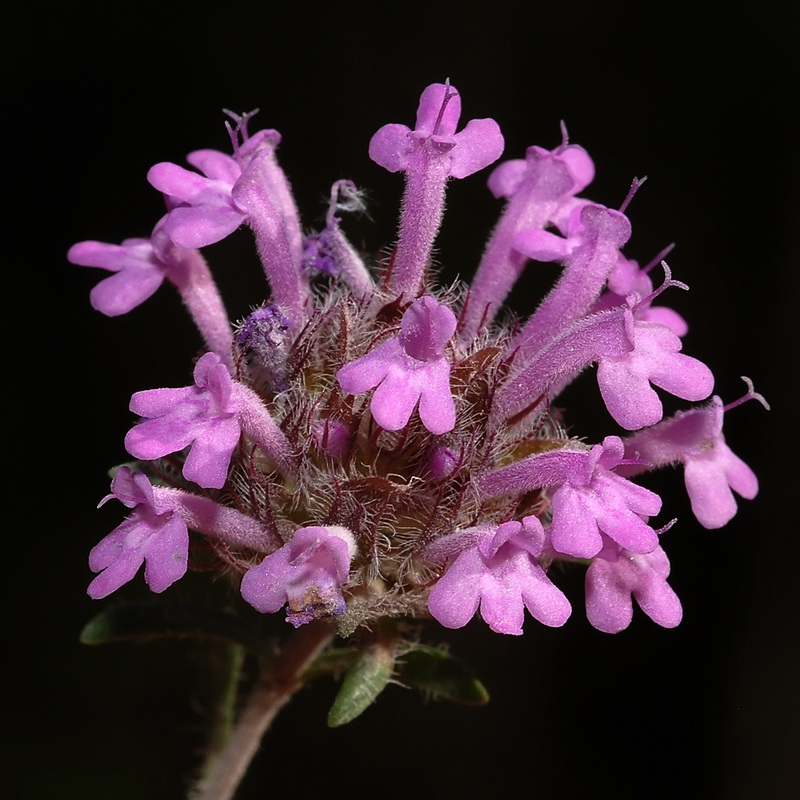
(698, 98)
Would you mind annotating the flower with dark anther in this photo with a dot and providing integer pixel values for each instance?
(616, 575)
(498, 569)
(429, 155)
(589, 498)
(408, 369)
(307, 574)
(712, 471)
(210, 416)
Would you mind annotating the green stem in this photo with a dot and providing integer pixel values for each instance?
(272, 691)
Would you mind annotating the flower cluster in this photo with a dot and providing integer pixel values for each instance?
(368, 445)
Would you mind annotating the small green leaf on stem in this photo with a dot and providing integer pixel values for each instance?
(434, 671)
(366, 679)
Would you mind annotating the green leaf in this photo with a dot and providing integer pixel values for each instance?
(334, 661)
(367, 678)
(432, 670)
(145, 622)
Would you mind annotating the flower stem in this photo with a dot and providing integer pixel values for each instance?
(272, 691)
(200, 295)
(423, 208)
(228, 661)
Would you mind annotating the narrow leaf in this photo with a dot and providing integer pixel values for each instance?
(335, 661)
(147, 622)
(366, 679)
(438, 673)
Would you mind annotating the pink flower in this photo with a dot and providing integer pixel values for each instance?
(307, 574)
(430, 155)
(202, 208)
(712, 471)
(655, 359)
(210, 416)
(203, 416)
(408, 369)
(595, 500)
(289, 418)
(616, 575)
(139, 267)
(396, 147)
(154, 534)
(590, 498)
(499, 571)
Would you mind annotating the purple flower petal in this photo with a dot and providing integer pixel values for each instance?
(202, 207)
(477, 146)
(390, 146)
(437, 409)
(397, 396)
(499, 571)
(307, 573)
(612, 582)
(167, 554)
(216, 165)
(439, 110)
(208, 460)
(712, 472)
(139, 273)
(395, 147)
(199, 415)
(198, 226)
(150, 535)
(574, 529)
(456, 595)
(368, 371)
(126, 290)
(625, 380)
(409, 369)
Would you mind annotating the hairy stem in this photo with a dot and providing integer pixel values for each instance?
(271, 692)
(227, 665)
